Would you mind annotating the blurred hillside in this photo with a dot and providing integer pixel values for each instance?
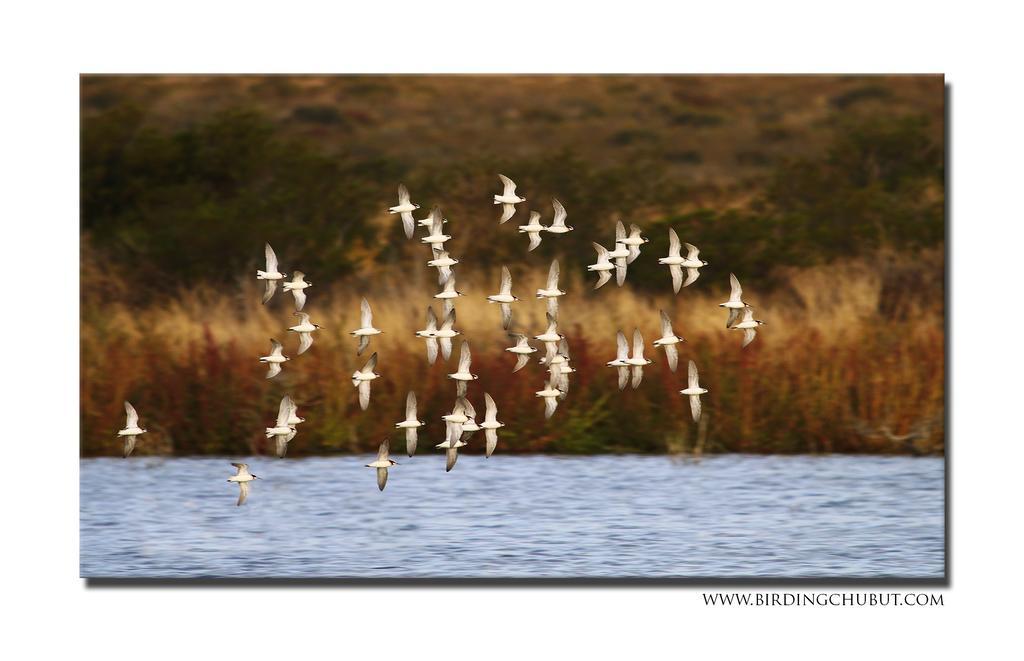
(825, 195)
(184, 177)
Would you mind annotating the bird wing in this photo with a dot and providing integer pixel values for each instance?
(410, 406)
(506, 281)
(305, 342)
(507, 211)
(464, 358)
(446, 346)
(410, 440)
(638, 375)
(408, 224)
(666, 325)
(451, 455)
(695, 407)
(269, 290)
(734, 313)
(383, 450)
(364, 341)
(490, 409)
(300, 298)
(284, 410)
(129, 445)
(403, 195)
(550, 404)
(243, 492)
(672, 355)
(737, 292)
(365, 314)
(623, 376)
(691, 276)
(276, 348)
(492, 441)
(436, 221)
(364, 394)
(510, 186)
(634, 252)
(748, 336)
(271, 258)
(691, 251)
(552, 324)
(131, 415)
(431, 350)
(620, 231)
(371, 364)
(673, 243)
(282, 445)
(382, 477)
(560, 214)
(469, 409)
(602, 254)
(506, 315)
(240, 468)
(602, 278)
(638, 343)
(553, 307)
(303, 317)
(431, 319)
(620, 269)
(273, 370)
(460, 388)
(563, 348)
(521, 361)
(553, 275)
(677, 277)
(693, 379)
(534, 240)
(460, 406)
(621, 346)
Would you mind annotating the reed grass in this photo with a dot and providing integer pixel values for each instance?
(826, 373)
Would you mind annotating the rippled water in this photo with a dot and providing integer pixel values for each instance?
(514, 516)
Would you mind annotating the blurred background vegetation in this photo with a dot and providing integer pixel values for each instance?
(786, 181)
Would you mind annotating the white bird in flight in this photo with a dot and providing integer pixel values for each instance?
(532, 229)
(505, 298)
(735, 302)
(430, 335)
(620, 255)
(405, 208)
(297, 287)
(522, 350)
(748, 325)
(444, 263)
(676, 263)
(694, 391)
(470, 425)
(411, 424)
(275, 358)
(508, 198)
(462, 375)
(382, 463)
(551, 291)
(490, 425)
(361, 380)
(633, 242)
(637, 360)
(436, 237)
(305, 330)
(366, 329)
(272, 274)
(668, 341)
(558, 225)
(284, 428)
(551, 395)
(559, 367)
(621, 362)
(243, 477)
(603, 267)
(550, 337)
(448, 294)
(445, 333)
(131, 428)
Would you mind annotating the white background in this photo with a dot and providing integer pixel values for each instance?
(48, 609)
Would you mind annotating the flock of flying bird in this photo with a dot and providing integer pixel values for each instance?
(461, 422)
